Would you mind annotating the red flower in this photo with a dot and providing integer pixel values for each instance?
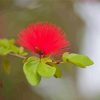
(42, 38)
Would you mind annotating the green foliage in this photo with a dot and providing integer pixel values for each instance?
(46, 70)
(8, 46)
(4, 51)
(79, 60)
(30, 69)
(58, 72)
(34, 67)
(64, 56)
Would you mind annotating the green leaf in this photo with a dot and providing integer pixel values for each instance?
(58, 72)
(4, 47)
(46, 60)
(35, 67)
(77, 59)
(7, 46)
(4, 51)
(4, 43)
(46, 70)
(65, 56)
(30, 70)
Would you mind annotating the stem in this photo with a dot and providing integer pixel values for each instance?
(55, 62)
(23, 57)
(17, 55)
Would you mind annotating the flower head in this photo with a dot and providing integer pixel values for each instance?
(42, 38)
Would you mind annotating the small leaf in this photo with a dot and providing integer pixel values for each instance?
(7, 46)
(65, 55)
(46, 59)
(58, 72)
(22, 52)
(80, 60)
(46, 70)
(4, 51)
(30, 70)
(4, 43)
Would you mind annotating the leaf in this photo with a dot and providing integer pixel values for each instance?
(65, 55)
(4, 43)
(7, 46)
(46, 70)
(35, 67)
(4, 51)
(58, 72)
(30, 70)
(77, 59)
(4, 47)
(46, 59)
(21, 51)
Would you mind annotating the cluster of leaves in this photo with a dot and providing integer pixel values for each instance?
(35, 68)
(8, 46)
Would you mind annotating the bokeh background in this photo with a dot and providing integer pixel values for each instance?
(80, 19)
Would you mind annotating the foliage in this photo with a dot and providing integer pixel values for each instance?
(36, 67)
(8, 46)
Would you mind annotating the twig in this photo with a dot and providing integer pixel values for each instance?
(23, 57)
(55, 62)
(17, 55)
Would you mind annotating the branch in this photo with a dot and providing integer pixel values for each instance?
(17, 55)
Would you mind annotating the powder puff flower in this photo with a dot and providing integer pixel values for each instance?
(43, 39)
